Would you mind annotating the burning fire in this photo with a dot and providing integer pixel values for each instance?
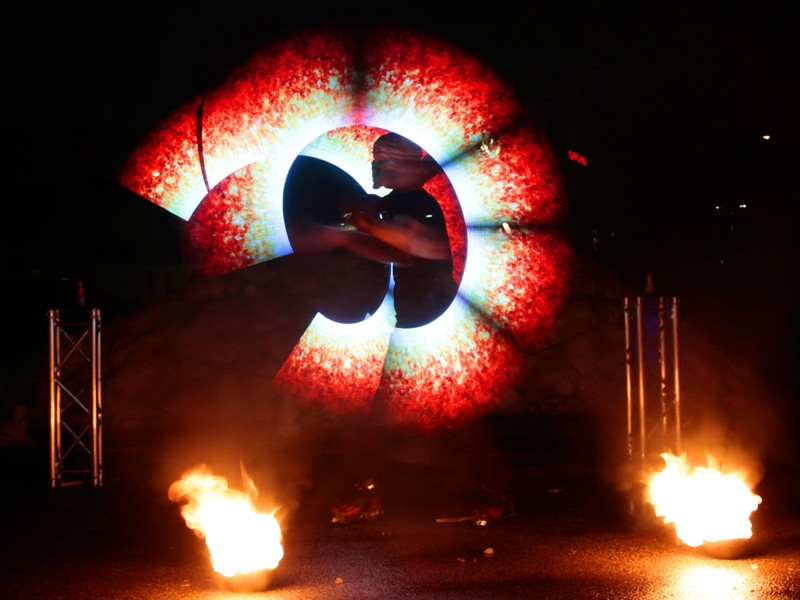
(705, 503)
(240, 539)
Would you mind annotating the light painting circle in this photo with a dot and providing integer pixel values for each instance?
(220, 162)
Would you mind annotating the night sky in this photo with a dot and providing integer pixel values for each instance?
(667, 101)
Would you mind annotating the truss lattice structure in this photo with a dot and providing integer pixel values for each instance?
(76, 433)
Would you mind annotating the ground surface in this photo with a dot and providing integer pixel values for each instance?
(569, 535)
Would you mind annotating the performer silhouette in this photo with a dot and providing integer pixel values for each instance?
(326, 211)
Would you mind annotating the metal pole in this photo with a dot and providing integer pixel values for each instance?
(55, 409)
(662, 333)
(629, 376)
(676, 374)
(97, 403)
(641, 358)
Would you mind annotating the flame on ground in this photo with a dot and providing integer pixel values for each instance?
(706, 504)
(240, 539)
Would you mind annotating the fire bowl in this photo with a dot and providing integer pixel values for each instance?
(246, 583)
(727, 549)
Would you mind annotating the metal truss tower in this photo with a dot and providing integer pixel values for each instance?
(76, 408)
(653, 379)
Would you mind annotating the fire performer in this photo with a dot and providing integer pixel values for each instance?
(405, 229)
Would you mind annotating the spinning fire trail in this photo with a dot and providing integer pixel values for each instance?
(220, 162)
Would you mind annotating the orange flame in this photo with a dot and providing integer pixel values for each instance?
(240, 539)
(705, 503)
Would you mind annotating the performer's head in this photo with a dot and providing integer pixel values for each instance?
(400, 164)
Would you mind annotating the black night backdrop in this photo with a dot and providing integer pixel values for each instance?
(684, 114)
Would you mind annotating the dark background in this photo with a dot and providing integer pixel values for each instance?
(667, 101)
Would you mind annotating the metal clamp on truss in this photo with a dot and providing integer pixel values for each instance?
(76, 438)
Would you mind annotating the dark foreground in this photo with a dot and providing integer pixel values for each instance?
(568, 536)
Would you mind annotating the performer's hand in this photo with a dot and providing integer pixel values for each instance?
(368, 205)
(359, 219)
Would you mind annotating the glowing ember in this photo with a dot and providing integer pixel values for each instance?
(240, 539)
(705, 503)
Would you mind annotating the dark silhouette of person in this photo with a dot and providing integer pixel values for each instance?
(405, 229)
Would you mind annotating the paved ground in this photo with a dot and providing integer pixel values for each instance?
(569, 537)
